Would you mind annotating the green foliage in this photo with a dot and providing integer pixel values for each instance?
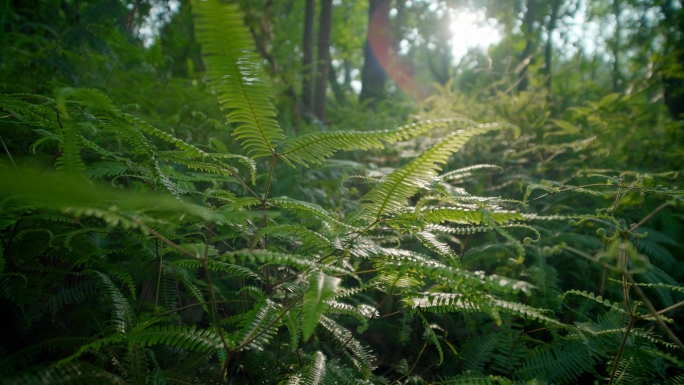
(140, 245)
(237, 77)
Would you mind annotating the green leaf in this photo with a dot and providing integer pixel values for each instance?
(321, 289)
(393, 193)
(235, 72)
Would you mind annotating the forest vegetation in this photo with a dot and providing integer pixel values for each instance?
(341, 192)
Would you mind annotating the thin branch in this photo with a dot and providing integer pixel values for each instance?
(412, 367)
(465, 246)
(147, 289)
(9, 155)
(649, 216)
(200, 304)
(655, 314)
(670, 308)
(264, 330)
(564, 190)
(159, 266)
(214, 309)
(166, 240)
(621, 349)
(51, 161)
(242, 182)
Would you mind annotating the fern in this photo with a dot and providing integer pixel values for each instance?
(321, 289)
(236, 75)
(392, 194)
(362, 359)
(77, 373)
(558, 364)
(316, 147)
(258, 327)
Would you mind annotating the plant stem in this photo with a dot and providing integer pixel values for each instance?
(215, 311)
(621, 349)
(649, 216)
(655, 314)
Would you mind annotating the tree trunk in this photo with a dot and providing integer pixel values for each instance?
(373, 76)
(548, 56)
(526, 57)
(336, 87)
(307, 62)
(674, 84)
(323, 62)
(617, 80)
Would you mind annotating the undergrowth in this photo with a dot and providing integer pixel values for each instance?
(135, 256)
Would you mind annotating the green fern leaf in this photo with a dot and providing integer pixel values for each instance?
(317, 147)
(178, 337)
(431, 336)
(70, 162)
(558, 364)
(235, 73)
(362, 359)
(258, 327)
(392, 194)
(321, 289)
(75, 373)
(316, 371)
(123, 316)
(265, 256)
(430, 241)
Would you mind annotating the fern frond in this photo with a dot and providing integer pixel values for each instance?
(235, 73)
(430, 241)
(558, 364)
(663, 286)
(258, 327)
(316, 147)
(307, 209)
(9, 361)
(431, 336)
(100, 169)
(658, 237)
(598, 299)
(123, 316)
(76, 373)
(478, 350)
(321, 289)
(362, 358)
(466, 171)
(231, 269)
(265, 256)
(474, 378)
(402, 260)
(178, 337)
(188, 149)
(446, 302)
(316, 371)
(70, 162)
(310, 237)
(392, 194)
(107, 115)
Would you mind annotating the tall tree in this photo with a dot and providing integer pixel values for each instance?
(308, 67)
(323, 62)
(373, 76)
(548, 56)
(673, 81)
(617, 79)
(530, 45)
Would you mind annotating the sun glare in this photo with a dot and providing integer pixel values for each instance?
(472, 30)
